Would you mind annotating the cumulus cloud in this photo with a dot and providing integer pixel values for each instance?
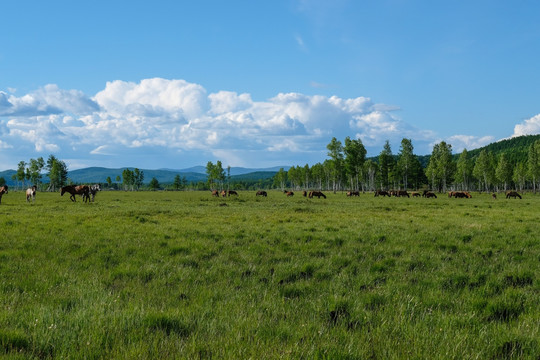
(166, 121)
(528, 127)
(460, 142)
(48, 100)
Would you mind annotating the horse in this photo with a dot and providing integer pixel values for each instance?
(318, 194)
(215, 193)
(83, 190)
(415, 194)
(513, 194)
(3, 190)
(429, 194)
(494, 196)
(353, 193)
(399, 193)
(93, 190)
(304, 193)
(288, 193)
(31, 194)
(261, 193)
(461, 194)
(382, 193)
(232, 192)
(223, 193)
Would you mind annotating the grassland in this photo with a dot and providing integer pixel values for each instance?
(183, 275)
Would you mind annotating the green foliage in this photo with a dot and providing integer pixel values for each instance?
(154, 184)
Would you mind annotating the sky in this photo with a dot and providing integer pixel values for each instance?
(175, 84)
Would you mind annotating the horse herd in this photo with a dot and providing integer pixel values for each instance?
(397, 193)
(88, 192)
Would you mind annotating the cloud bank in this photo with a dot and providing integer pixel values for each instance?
(173, 123)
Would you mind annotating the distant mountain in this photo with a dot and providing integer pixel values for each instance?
(515, 149)
(193, 174)
(234, 170)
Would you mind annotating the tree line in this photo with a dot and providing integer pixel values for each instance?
(347, 168)
(31, 172)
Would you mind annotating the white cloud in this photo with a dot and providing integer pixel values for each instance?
(528, 127)
(164, 121)
(47, 100)
(460, 142)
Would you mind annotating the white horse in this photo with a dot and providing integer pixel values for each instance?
(31, 194)
(94, 189)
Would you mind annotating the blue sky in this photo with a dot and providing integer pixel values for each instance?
(261, 83)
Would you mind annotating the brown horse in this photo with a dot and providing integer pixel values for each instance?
(415, 194)
(261, 193)
(382, 193)
(353, 193)
(215, 193)
(429, 194)
(83, 190)
(304, 193)
(3, 190)
(288, 193)
(31, 194)
(494, 196)
(399, 193)
(232, 192)
(223, 193)
(318, 194)
(461, 195)
(513, 194)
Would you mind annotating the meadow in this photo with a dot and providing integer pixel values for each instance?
(151, 275)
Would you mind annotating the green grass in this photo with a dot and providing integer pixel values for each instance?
(185, 275)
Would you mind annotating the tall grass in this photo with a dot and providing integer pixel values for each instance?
(185, 275)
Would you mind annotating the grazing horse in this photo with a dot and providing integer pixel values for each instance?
(93, 191)
(415, 194)
(382, 193)
(513, 194)
(3, 190)
(461, 194)
(304, 193)
(31, 194)
(288, 193)
(232, 192)
(318, 194)
(494, 196)
(261, 193)
(429, 194)
(215, 193)
(353, 193)
(83, 190)
(223, 193)
(399, 193)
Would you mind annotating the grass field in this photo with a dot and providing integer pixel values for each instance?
(184, 275)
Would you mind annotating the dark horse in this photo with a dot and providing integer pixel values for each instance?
(261, 193)
(318, 194)
(513, 194)
(3, 190)
(83, 190)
